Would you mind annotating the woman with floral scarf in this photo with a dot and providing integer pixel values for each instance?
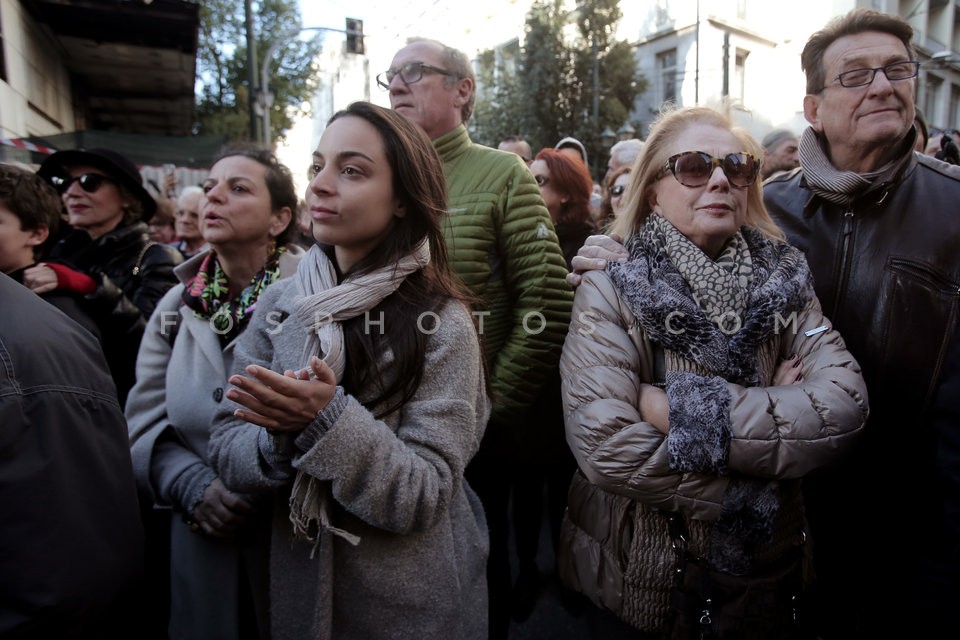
(701, 382)
(219, 542)
(358, 401)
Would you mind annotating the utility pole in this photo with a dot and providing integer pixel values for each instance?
(251, 68)
(355, 45)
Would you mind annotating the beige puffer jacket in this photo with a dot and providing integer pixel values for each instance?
(615, 546)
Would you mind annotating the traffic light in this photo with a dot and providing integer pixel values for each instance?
(354, 36)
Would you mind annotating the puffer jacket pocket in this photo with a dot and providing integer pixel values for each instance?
(595, 542)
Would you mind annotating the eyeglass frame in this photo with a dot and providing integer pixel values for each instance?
(873, 74)
(390, 74)
(948, 132)
(671, 164)
(62, 184)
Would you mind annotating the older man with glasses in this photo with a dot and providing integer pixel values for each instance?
(879, 226)
(503, 246)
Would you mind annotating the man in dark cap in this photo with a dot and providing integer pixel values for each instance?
(781, 152)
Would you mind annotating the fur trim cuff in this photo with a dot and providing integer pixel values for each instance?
(699, 437)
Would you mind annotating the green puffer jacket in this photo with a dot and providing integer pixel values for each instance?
(503, 247)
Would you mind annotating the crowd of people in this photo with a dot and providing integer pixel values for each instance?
(726, 375)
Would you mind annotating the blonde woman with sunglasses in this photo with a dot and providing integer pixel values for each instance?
(701, 382)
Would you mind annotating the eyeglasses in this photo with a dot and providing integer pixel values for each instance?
(617, 190)
(894, 71)
(409, 73)
(542, 180)
(694, 168)
(89, 182)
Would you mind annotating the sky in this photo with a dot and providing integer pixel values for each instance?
(467, 25)
(388, 23)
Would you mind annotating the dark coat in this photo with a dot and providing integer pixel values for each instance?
(887, 272)
(67, 302)
(132, 274)
(71, 543)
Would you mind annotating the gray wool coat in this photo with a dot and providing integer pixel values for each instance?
(181, 377)
(419, 569)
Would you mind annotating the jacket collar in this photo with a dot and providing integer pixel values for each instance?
(882, 186)
(453, 143)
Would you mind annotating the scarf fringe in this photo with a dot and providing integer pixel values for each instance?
(310, 514)
(322, 305)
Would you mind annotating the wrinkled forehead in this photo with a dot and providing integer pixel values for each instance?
(426, 52)
(862, 49)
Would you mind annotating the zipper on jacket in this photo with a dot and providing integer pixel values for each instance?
(924, 274)
(845, 248)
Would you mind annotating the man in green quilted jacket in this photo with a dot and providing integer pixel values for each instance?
(503, 246)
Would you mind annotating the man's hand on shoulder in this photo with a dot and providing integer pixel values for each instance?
(595, 253)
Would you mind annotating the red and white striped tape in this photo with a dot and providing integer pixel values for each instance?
(28, 146)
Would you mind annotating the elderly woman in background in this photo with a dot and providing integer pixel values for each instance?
(108, 258)
(161, 225)
(613, 196)
(701, 382)
(187, 221)
(218, 548)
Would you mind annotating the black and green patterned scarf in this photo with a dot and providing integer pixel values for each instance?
(207, 294)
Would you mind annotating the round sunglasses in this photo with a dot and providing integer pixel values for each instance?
(694, 168)
(89, 182)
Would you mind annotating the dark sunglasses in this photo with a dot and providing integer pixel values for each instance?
(694, 168)
(617, 190)
(89, 182)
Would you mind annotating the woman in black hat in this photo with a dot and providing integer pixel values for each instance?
(108, 256)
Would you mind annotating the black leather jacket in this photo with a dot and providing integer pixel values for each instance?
(887, 272)
(132, 274)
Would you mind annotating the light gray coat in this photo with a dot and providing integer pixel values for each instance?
(419, 570)
(181, 378)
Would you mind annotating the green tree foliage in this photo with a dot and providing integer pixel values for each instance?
(224, 90)
(550, 93)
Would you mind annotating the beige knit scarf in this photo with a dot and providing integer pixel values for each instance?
(322, 305)
(720, 287)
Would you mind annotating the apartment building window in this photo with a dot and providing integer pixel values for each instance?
(667, 71)
(3, 57)
(953, 118)
(931, 90)
(742, 9)
(740, 75)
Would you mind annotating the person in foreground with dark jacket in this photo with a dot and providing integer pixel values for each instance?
(108, 257)
(70, 538)
(880, 229)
